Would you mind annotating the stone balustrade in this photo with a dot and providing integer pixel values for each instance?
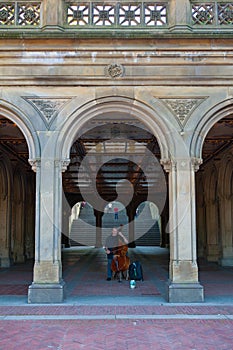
(169, 16)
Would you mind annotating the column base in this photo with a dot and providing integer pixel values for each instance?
(46, 293)
(185, 293)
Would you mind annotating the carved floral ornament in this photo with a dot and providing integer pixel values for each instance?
(114, 70)
(182, 108)
(48, 107)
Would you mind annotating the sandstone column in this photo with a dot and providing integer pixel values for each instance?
(179, 15)
(5, 217)
(183, 284)
(53, 14)
(48, 285)
(226, 227)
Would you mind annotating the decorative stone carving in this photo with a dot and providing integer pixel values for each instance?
(20, 13)
(196, 162)
(114, 70)
(49, 107)
(35, 163)
(116, 14)
(182, 108)
(167, 164)
(62, 164)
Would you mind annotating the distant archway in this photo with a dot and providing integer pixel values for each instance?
(147, 224)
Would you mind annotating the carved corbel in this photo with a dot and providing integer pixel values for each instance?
(196, 162)
(62, 164)
(167, 164)
(35, 164)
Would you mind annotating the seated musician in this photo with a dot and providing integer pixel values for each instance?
(111, 245)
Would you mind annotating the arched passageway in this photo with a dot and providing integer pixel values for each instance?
(148, 225)
(114, 167)
(214, 185)
(17, 196)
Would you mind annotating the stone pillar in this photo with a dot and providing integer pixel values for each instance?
(201, 218)
(225, 189)
(53, 15)
(212, 230)
(98, 216)
(179, 15)
(66, 212)
(164, 238)
(5, 217)
(47, 286)
(183, 284)
(226, 226)
(18, 212)
(212, 215)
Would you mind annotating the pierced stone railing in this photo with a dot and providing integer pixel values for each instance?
(215, 13)
(20, 13)
(117, 14)
(100, 16)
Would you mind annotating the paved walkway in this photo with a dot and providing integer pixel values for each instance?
(98, 314)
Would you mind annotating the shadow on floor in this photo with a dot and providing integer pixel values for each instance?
(84, 271)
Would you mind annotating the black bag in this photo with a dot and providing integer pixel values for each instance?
(135, 271)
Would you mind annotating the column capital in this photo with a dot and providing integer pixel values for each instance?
(196, 162)
(167, 164)
(62, 163)
(35, 164)
(181, 164)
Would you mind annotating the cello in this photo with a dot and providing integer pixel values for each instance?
(121, 261)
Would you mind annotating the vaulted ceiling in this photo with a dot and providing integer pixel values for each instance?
(108, 153)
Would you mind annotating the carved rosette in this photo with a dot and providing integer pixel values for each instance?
(114, 71)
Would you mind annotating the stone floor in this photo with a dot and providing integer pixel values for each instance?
(98, 314)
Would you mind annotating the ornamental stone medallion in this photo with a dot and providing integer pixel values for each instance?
(114, 70)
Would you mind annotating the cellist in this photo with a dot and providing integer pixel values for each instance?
(111, 244)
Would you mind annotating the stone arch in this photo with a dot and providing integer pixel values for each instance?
(207, 121)
(115, 105)
(11, 112)
(147, 223)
